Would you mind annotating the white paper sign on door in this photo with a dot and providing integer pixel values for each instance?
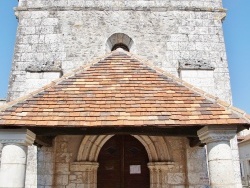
(135, 169)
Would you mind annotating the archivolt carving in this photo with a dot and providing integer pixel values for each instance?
(157, 148)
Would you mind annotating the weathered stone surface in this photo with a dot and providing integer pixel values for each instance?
(195, 65)
(45, 67)
(118, 4)
(75, 37)
(197, 171)
(202, 79)
(31, 170)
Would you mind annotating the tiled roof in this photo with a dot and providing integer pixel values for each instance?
(119, 90)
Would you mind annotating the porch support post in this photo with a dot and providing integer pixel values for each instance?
(219, 154)
(14, 156)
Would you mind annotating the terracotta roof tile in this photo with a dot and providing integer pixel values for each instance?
(120, 90)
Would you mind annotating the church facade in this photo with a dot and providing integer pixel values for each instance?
(120, 94)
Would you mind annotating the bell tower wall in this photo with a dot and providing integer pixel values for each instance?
(184, 38)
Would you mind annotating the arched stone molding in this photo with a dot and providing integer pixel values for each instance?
(119, 39)
(156, 147)
(91, 146)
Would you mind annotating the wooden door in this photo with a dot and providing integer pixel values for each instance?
(123, 164)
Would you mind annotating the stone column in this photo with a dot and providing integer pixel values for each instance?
(159, 174)
(219, 154)
(14, 156)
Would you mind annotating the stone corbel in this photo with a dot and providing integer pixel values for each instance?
(220, 16)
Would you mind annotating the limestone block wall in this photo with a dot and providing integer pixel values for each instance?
(37, 80)
(203, 79)
(122, 3)
(66, 153)
(45, 167)
(177, 174)
(166, 34)
(197, 172)
(31, 170)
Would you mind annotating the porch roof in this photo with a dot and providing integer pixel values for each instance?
(119, 90)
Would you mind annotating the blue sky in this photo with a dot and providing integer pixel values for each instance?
(237, 38)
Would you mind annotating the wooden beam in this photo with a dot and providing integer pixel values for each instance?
(195, 141)
(151, 131)
(44, 141)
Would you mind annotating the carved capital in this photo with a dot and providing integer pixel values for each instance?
(17, 136)
(210, 134)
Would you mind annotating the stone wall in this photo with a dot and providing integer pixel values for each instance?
(197, 172)
(168, 35)
(31, 170)
(202, 79)
(45, 167)
(122, 3)
(236, 161)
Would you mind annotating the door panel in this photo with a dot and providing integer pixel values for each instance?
(123, 164)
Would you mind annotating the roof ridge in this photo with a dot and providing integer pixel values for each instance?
(222, 103)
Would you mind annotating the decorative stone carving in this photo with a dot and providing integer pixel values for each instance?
(210, 134)
(192, 64)
(49, 66)
(17, 136)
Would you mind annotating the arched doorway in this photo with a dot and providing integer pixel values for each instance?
(123, 164)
